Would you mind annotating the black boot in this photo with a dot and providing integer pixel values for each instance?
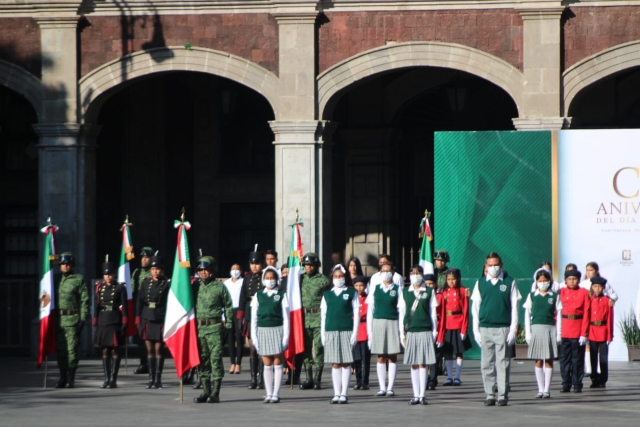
(254, 374)
(198, 383)
(106, 366)
(62, 382)
(144, 366)
(206, 392)
(308, 384)
(71, 378)
(317, 381)
(187, 378)
(260, 375)
(114, 374)
(159, 368)
(215, 392)
(152, 373)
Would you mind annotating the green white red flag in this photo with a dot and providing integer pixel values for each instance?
(296, 326)
(124, 273)
(47, 343)
(426, 258)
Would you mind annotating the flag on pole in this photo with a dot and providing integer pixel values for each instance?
(426, 259)
(47, 344)
(180, 334)
(296, 332)
(124, 273)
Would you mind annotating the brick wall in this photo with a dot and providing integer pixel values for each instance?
(589, 30)
(251, 36)
(498, 32)
(20, 43)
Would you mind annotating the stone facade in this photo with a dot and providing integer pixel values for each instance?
(20, 43)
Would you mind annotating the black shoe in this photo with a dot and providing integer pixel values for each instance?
(114, 372)
(307, 385)
(448, 382)
(594, 385)
(142, 369)
(106, 367)
(317, 386)
(414, 401)
(62, 382)
(357, 387)
(365, 386)
(565, 389)
(502, 402)
(423, 401)
(490, 402)
(602, 386)
(206, 391)
(431, 387)
(577, 389)
(71, 378)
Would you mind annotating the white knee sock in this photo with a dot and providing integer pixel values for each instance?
(346, 378)
(422, 374)
(382, 375)
(336, 375)
(540, 379)
(449, 364)
(458, 368)
(415, 382)
(268, 380)
(393, 369)
(277, 379)
(548, 374)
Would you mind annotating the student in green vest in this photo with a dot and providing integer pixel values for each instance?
(270, 331)
(383, 327)
(495, 323)
(340, 320)
(543, 329)
(419, 332)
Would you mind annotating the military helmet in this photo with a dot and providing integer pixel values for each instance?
(157, 261)
(311, 258)
(66, 258)
(207, 263)
(256, 257)
(146, 251)
(441, 255)
(109, 268)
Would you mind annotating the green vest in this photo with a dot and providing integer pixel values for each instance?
(543, 308)
(385, 304)
(270, 309)
(421, 319)
(339, 310)
(495, 308)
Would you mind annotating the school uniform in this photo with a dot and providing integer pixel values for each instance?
(600, 335)
(361, 351)
(235, 340)
(575, 324)
(420, 320)
(608, 292)
(455, 321)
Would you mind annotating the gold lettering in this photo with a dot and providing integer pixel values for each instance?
(615, 182)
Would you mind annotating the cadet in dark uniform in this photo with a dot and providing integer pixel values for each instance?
(139, 274)
(252, 284)
(72, 298)
(151, 307)
(110, 322)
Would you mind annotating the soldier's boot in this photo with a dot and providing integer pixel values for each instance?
(206, 392)
(215, 392)
(106, 366)
(144, 366)
(152, 373)
(254, 374)
(260, 375)
(187, 378)
(71, 378)
(295, 377)
(308, 384)
(159, 368)
(114, 375)
(198, 383)
(317, 381)
(62, 382)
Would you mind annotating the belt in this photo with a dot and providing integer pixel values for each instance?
(107, 308)
(572, 316)
(67, 312)
(599, 323)
(363, 319)
(311, 310)
(152, 304)
(208, 321)
(453, 313)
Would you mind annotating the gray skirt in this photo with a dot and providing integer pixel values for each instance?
(419, 349)
(270, 340)
(337, 347)
(543, 342)
(386, 337)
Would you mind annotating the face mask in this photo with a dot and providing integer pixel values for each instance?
(416, 279)
(269, 283)
(338, 283)
(543, 286)
(386, 276)
(235, 273)
(494, 270)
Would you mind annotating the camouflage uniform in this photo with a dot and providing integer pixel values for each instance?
(312, 289)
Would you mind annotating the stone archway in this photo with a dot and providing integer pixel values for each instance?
(597, 67)
(173, 58)
(419, 54)
(23, 82)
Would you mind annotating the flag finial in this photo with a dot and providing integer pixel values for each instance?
(106, 258)
(182, 215)
(297, 216)
(427, 214)
(255, 248)
(156, 254)
(200, 250)
(126, 218)
(49, 219)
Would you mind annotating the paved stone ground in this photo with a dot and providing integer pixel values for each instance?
(23, 402)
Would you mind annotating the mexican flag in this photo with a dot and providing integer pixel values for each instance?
(180, 334)
(124, 274)
(296, 332)
(47, 344)
(426, 258)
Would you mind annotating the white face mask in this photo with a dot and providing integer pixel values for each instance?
(543, 286)
(386, 276)
(338, 283)
(416, 279)
(235, 273)
(494, 270)
(269, 283)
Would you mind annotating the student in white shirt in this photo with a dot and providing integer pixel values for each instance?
(375, 280)
(555, 286)
(235, 340)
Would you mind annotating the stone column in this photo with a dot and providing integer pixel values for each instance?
(542, 66)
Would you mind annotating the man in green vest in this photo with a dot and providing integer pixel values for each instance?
(312, 287)
(495, 323)
(139, 274)
(441, 258)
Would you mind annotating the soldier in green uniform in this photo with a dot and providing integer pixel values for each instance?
(441, 259)
(313, 284)
(212, 301)
(72, 298)
(139, 274)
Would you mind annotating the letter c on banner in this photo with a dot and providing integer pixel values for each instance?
(615, 182)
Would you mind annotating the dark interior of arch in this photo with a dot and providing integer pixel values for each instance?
(610, 103)
(187, 140)
(383, 153)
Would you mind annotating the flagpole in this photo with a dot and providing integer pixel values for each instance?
(46, 359)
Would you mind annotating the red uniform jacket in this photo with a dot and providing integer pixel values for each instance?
(362, 329)
(601, 320)
(575, 312)
(440, 314)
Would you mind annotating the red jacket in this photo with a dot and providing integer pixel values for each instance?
(575, 312)
(456, 309)
(362, 329)
(601, 320)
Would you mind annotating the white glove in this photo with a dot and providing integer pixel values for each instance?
(322, 339)
(582, 341)
(254, 342)
(403, 340)
(285, 345)
(608, 342)
(511, 338)
(369, 343)
(527, 338)
(354, 340)
(559, 339)
(477, 337)
(440, 344)
(463, 336)
(435, 334)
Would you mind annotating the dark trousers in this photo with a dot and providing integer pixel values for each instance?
(235, 340)
(363, 365)
(433, 369)
(571, 363)
(602, 349)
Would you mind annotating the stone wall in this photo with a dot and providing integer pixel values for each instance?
(20, 43)
(344, 34)
(251, 36)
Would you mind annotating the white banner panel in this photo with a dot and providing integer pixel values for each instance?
(599, 211)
